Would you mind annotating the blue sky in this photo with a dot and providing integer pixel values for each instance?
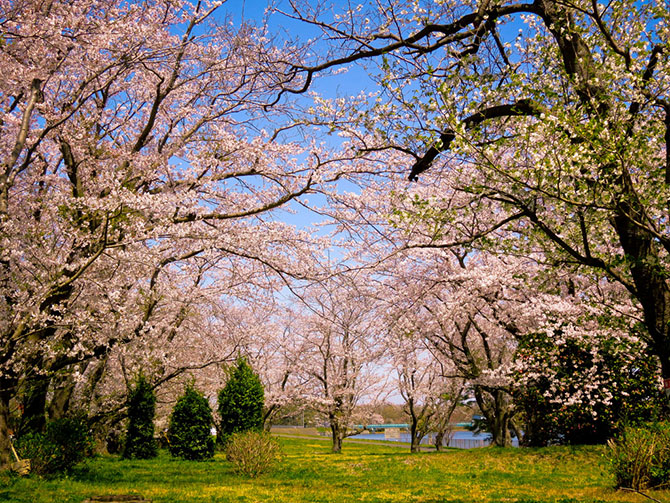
(347, 84)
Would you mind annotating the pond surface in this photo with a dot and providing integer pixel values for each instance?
(462, 439)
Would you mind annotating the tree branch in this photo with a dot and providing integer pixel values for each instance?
(522, 108)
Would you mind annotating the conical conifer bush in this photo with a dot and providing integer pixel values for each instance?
(140, 442)
(241, 402)
(189, 431)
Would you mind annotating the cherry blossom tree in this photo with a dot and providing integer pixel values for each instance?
(425, 380)
(194, 331)
(561, 109)
(425, 383)
(468, 318)
(450, 399)
(416, 380)
(452, 300)
(136, 142)
(337, 351)
(433, 247)
(526, 340)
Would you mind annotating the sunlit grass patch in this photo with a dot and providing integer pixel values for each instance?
(362, 472)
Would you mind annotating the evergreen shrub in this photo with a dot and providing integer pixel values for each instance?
(140, 442)
(189, 431)
(240, 402)
(64, 443)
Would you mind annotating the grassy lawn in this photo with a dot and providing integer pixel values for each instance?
(368, 473)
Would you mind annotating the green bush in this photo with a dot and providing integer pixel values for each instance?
(628, 388)
(241, 402)
(63, 444)
(253, 452)
(140, 442)
(189, 434)
(640, 456)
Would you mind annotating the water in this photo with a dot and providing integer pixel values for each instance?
(462, 439)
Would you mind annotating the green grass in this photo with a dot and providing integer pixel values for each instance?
(366, 473)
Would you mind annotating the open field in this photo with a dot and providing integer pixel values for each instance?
(363, 472)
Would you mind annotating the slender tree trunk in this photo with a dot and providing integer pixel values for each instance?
(417, 414)
(416, 444)
(268, 416)
(5, 449)
(415, 436)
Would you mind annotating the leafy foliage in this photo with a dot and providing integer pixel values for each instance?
(241, 402)
(564, 404)
(99, 111)
(640, 456)
(63, 444)
(253, 452)
(140, 442)
(191, 420)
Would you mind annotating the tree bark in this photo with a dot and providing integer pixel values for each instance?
(439, 440)
(33, 418)
(497, 410)
(415, 445)
(5, 449)
(416, 434)
(62, 394)
(338, 435)
(651, 286)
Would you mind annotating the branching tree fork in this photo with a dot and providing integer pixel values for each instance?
(567, 124)
(126, 153)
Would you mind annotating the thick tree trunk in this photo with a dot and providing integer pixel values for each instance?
(338, 435)
(33, 418)
(439, 440)
(502, 436)
(497, 409)
(500, 432)
(652, 289)
(62, 394)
